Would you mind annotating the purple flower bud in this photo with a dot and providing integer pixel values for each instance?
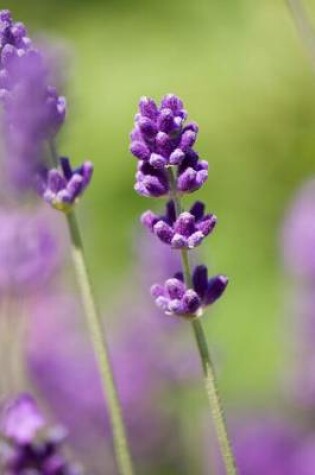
(150, 181)
(29, 445)
(148, 108)
(140, 150)
(21, 419)
(186, 231)
(175, 298)
(62, 189)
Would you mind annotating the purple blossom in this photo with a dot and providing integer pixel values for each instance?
(175, 298)
(61, 189)
(21, 419)
(29, 251)
(265, 446)
(161, 139)
(185, 231)
(190, 176)
(32, 110)
(29, 445)
(298, 234)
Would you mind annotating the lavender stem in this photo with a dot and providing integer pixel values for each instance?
(100, 348)
(96, 331)
(207, 364)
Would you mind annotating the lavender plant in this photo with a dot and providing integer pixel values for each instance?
(169, 166)
(29, 445)
(33, 114)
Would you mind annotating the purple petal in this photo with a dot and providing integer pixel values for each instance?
(163, 231)
(148, 108)
(175, 288)
(149, 219)
(185, 224)
(195, 239)
(157, 161)
(216, 287)
(207, 224)
(140, 150)
(55, 181)
(176, 157)
(191, 302)
(197, 210)
(200, 280)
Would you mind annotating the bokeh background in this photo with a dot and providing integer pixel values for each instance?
(245, 78)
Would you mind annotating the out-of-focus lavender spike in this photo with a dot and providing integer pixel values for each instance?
(30, 253)
(33, 112)
(28, 445)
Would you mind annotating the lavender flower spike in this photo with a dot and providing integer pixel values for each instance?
(62, 189)
(161, 139)
(28, 445)
(174, 298)
(184, 232)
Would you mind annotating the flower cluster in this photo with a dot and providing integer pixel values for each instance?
(173, 297)
(161, 139)
(33, 110)
(28, 445)
(33, 115)
(169, 166)
(188, 230)
(61, 189)
(29, 251)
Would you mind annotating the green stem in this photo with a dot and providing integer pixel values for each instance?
(100, 348)
(98, 339)
(207, 364)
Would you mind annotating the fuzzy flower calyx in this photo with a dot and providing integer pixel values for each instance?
(175, 298)
(62, 188)
(186, 231)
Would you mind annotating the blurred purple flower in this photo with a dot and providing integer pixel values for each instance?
(265, 446)
(32, 110)
(298, 234)
(30, 253)
(29, 445)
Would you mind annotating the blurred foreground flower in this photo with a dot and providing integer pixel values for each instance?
(30, 251)
(32, 110)
(28, 445)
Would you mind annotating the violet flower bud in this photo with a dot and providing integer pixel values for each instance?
(28, 445)
(187, 231)
(174, 298)
(62, 189)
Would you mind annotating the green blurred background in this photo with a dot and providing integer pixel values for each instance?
(244, 77)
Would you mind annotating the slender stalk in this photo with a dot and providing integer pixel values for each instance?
(100, 348)
(207, 364)
(98, 339)
(304, 27)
